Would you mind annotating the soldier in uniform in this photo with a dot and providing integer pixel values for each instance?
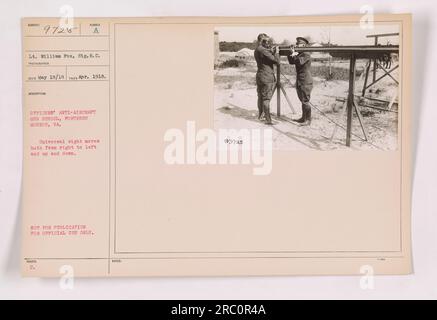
(265, 76)
(304, 80)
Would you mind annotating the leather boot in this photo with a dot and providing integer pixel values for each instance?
(307, 116)
(267, 112)
(302, 118)
(260, 110)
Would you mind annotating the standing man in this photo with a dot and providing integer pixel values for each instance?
(265, 76)
(304, 80)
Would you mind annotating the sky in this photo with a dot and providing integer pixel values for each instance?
(340, 35)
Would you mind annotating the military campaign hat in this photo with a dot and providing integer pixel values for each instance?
(302, 39)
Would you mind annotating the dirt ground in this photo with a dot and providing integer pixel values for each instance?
(235, 107)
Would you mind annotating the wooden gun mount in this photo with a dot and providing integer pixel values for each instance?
(360, 52)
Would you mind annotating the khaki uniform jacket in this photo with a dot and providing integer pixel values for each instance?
(303, 69)
(265, 60)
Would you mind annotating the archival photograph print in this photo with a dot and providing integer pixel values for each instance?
(322, 87)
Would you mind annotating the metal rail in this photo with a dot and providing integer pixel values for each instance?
(344, 49)
(360, 52)
(382, 35)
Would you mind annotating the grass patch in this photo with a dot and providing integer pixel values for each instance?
(232, 63)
